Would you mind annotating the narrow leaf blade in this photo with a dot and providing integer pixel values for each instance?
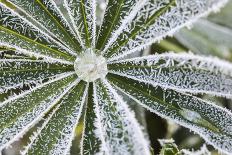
(17, 72)
(83, 15)
(183, 72)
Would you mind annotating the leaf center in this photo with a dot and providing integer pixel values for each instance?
(89, 66)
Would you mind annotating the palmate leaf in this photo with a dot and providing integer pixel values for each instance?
(213, 123)
(114, 125)
(18, 72)
(182, 72)
(59, 35)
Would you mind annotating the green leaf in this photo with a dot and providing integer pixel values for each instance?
(28, 46)
(154, 21)
(83, 16)
(90, 143)
(116, 10)
(141, 23)
(57, 132)
(17, 72)
(18, 114)
(13, 21)
(115, 124)
(45, 14)
(210, 121)
(183, 72)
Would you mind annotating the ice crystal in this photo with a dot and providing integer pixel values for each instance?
(72, 63)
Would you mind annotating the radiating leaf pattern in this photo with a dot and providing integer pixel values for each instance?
(27, 108)
(58, 133)
(40, 43)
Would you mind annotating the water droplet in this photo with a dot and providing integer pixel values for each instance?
(89, 66)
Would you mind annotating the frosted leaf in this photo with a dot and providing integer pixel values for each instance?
(117, 130)
(182, 72)
(90, 67)
(115, 12)
(56, 135)
(20, 113)
(29, 47)
(83, 16)
(46, 15)
(156, 20)
(15, 22)
(59, 11)
(90, 143)
(17, 72)
(204, 118)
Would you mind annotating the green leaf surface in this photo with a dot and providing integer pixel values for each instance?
(43, 12)
(115, 123)
(83, 16)
(154, 21)
(211, 122)
(116, 10)
(90, 143)
(17, 72)
(183, 72)
(13, 21)
(58, 131)
(141, 24)
(30, 47)
(18, 114)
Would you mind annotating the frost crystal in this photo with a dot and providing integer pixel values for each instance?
(90, 66)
